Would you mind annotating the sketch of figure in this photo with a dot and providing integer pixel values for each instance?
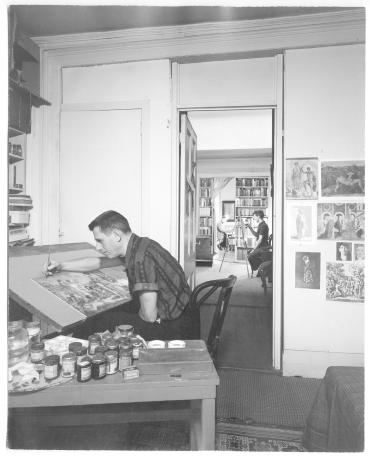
(328, 227)
(296, 176)
(307, 273)
(307, 270)
(338, 225)
(301, 178)
(300, 224)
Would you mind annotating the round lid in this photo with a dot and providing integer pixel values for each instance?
(37, 346)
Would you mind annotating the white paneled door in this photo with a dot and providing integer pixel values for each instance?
(100, 168)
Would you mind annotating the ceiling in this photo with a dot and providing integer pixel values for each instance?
(46, 20)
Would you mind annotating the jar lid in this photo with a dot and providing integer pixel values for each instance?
(101, 349)
(111, 354)
(73, 346)
(69, 356)
(111, 343)
(94, 337)
(51, 359)
(125, 327)
(85, 361)
(37, 346)
(98, 358)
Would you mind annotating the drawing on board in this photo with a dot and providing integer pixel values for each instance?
(345, 282)
(343, 178)
(89, 293)
(344, 251)
(301, 222)
(341, 221)
(301, 178)
(307, 270)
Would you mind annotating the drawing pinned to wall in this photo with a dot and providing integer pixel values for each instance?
(344, 251)
(301, 222)
(307, 270)
(343, 178)
(301, 178)
(341, 221)
(345, 281)
(89, 293)
(359, 251)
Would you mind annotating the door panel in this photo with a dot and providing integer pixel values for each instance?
(188, 157)
(100, 169)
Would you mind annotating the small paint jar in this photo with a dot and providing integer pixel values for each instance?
(69, 365)
(112, 362)
(84, 369)
(99, 366)
(94, 341)
(136, 345)
(34, 330)
(74, 346)
(81, 353)
(126, 330)
(37, 352)
(51, 367)
(125, 355)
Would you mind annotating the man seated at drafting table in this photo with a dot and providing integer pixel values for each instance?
(157, 283)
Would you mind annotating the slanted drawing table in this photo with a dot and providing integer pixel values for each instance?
(178, 382)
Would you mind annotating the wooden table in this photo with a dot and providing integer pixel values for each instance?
(198, 387)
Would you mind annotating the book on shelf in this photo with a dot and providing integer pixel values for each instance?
(19, 202)
(18, 217)
(19, 233)
(205, 211)
(23, 242)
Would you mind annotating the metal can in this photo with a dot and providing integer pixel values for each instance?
(81, 353)
(51, 367)
(126, 330)
(99, 366)
(84, 369)
(94, 341)
(74, 346)
(112, 362)
(130, 372)
(136, 347)
(69, 365)
(37, 352)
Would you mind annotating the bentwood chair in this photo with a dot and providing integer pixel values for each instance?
(208, 288)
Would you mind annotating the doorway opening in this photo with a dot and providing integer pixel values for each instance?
(234, 181)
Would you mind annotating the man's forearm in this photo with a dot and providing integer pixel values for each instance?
(81, 265)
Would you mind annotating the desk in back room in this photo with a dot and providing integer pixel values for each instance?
(108, 400)
(30, 301)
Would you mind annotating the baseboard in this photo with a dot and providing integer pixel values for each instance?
(260, 431)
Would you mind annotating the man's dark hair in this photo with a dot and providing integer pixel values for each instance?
(259, 213)
(110, 220)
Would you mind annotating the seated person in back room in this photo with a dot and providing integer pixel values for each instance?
(157, 283)
(255, 257)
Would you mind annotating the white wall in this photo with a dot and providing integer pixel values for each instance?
(137, 81)
(324, 117)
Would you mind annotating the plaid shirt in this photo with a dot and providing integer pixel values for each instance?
(152, 268)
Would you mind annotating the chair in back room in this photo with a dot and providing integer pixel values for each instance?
(224, 287)
(265, 268)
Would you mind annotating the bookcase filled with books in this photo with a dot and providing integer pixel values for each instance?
(252, 193)
(205, 236)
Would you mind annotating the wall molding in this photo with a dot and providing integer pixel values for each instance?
(215, 38)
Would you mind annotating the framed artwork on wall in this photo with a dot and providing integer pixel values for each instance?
(300, 222)
(343, 178)
(344, 251)
(301, 178)
(345, 281)
(307, 270)
(358, 252)
(345, 221)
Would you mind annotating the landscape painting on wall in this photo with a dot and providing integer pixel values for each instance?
(345, 281)
(300, 222)
(307, 270)
(341, 221)
(301, 178)
(343, 178)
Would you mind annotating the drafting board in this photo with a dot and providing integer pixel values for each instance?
(38, 300)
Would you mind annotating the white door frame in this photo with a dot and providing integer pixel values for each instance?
(278, 216)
